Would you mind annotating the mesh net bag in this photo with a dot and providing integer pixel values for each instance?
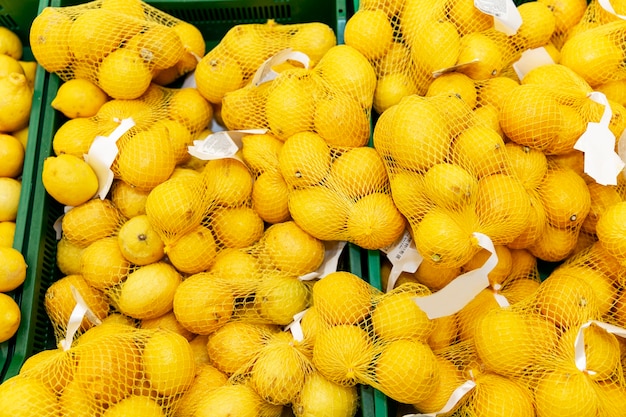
(452, 181)
(117, 46)
(595, 54)
(91, 221)
(339, 193)
(244, 48)
(407, 62)
(333, 99)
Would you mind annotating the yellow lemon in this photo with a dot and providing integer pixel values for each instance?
(327, 218)
(291, 249)
(21, 395)
(78, 98)
(304, 159)
(10, 317)
(321, 397)
(194, 251)
(49, 39)
(129, 200)
(11, 156)
(270, 197)
(370, 32)
(91, 221)
(237, 227)
(481, 54)
(358, 172)
(374, 222)
(216, 76)
(10, 190)
(75, 136)
(135, 406)
(228, 182)
(123, 74)
(139, 242)
(69, 179)
(556, 390)
(338, 310)
(7, 233)
(158, 45)
(102, 263)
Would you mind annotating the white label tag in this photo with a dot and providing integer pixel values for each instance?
(265, 72)
(455, 397)
(219, 145)
(80, 311)
(295, 327)
(103, 152)
(403, 256)
(58, 227)
(579, 344)
(530, 59)
(598, 144)
(461, 290)
(606, 5)
(331, 260)
(506, 17)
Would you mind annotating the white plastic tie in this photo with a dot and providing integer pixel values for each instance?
(80, 311)
(295, 327)
(579, 344)
(506, 17)
(266, 73)
(332, 252)
(457, 395)
(531, 59)
(598, 144)
(403, 256)
(102, 153)
(220, 145)
(461, 290)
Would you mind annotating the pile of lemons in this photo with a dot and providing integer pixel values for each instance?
(16, 88)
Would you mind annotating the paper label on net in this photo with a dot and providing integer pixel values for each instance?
(266, 71)
(81, 310)
(102, 153)
(598, 145)
(332, 252)
(403, 256)
(606, 5)
(454, 68)
(461, 290)
(295, 327)
(506, 17)
(223, 144)
(457, 395)
(530, 59)
(579, 343)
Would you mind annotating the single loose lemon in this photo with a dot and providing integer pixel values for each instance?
(9, 317)
(79, 98)
(69, 179)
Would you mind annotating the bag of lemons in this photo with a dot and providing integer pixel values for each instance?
(113, 369)
(234, 61)
(451, 180)
(332, 98)
(119, 46)
(460, 36)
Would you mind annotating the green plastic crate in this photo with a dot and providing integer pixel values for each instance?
(18, 16)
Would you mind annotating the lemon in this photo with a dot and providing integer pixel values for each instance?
(282, 297)
(10, 190)
(129, 200)
(124, 75)
(207, 378)
(538, 24)
(342, 121)
(492, 391)
(139, 242)
(237, 227)
(75, 136)
(314, 39)
(9, 65)
(69, 179)
(343, 353)
(391, 88)
(135, 406)
(479, 150)
(291, 93)
(556, 390)
(193, 252)
(146, 159)
(440, 51)
(450, 186)
(10, 317)
(13, 269)
(132, 8)
(228, 182)
(11, 156)
(323, 398)
(565, 197)
(611, 231)
(168, 363)
(304, 159)
(68, 257)
(52, 366)
(327, 218)
(7, 234)
(167, 321)
(454, 83)
(10, 43)
(198, 344)
(241, 268)
(270, 197)
(158, 45)
(478, 46)
(291, 249)
(203, 302)
(370, 32)
(374, 222)
(407, 371)
(49, 39)
(22, 136)
(21, 395)
(352, 308)
(450, 378)
(78, 98)
(235, 344)
(148, 292)
(15, 113)
(194, 44)
(230, 400)
(91, 221)
(216, 76)
(260, 152)
(188, 107)
(358, 172)
(59, 301)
